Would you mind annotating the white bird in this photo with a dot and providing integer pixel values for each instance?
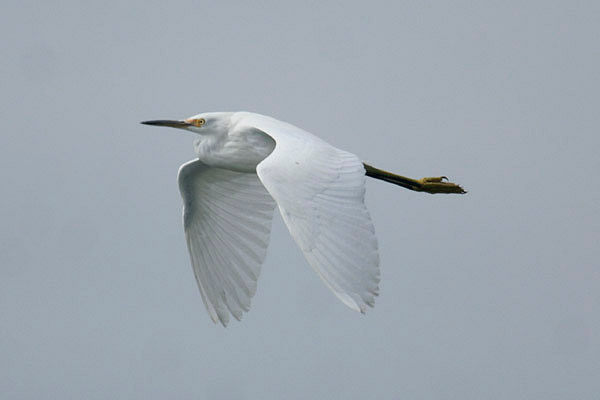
(247, 165)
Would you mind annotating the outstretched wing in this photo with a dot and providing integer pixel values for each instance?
(227, 219)
(320, 192)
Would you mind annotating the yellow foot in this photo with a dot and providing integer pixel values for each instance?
(437, 185)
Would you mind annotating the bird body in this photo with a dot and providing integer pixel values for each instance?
(248, 164)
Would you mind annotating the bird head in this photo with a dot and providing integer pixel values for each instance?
(204, 123)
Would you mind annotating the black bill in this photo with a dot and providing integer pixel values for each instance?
(166, 122)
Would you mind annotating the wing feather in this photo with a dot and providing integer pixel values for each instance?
(227, 220)
(320, 193)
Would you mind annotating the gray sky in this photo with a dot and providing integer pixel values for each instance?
(492, 295)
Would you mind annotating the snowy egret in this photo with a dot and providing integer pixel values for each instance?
(247, 165)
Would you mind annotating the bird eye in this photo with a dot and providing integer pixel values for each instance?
(198, 122)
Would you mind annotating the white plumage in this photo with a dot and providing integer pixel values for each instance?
(247, 165)
(227, 220)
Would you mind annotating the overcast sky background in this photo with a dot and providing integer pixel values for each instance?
(491, 295)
